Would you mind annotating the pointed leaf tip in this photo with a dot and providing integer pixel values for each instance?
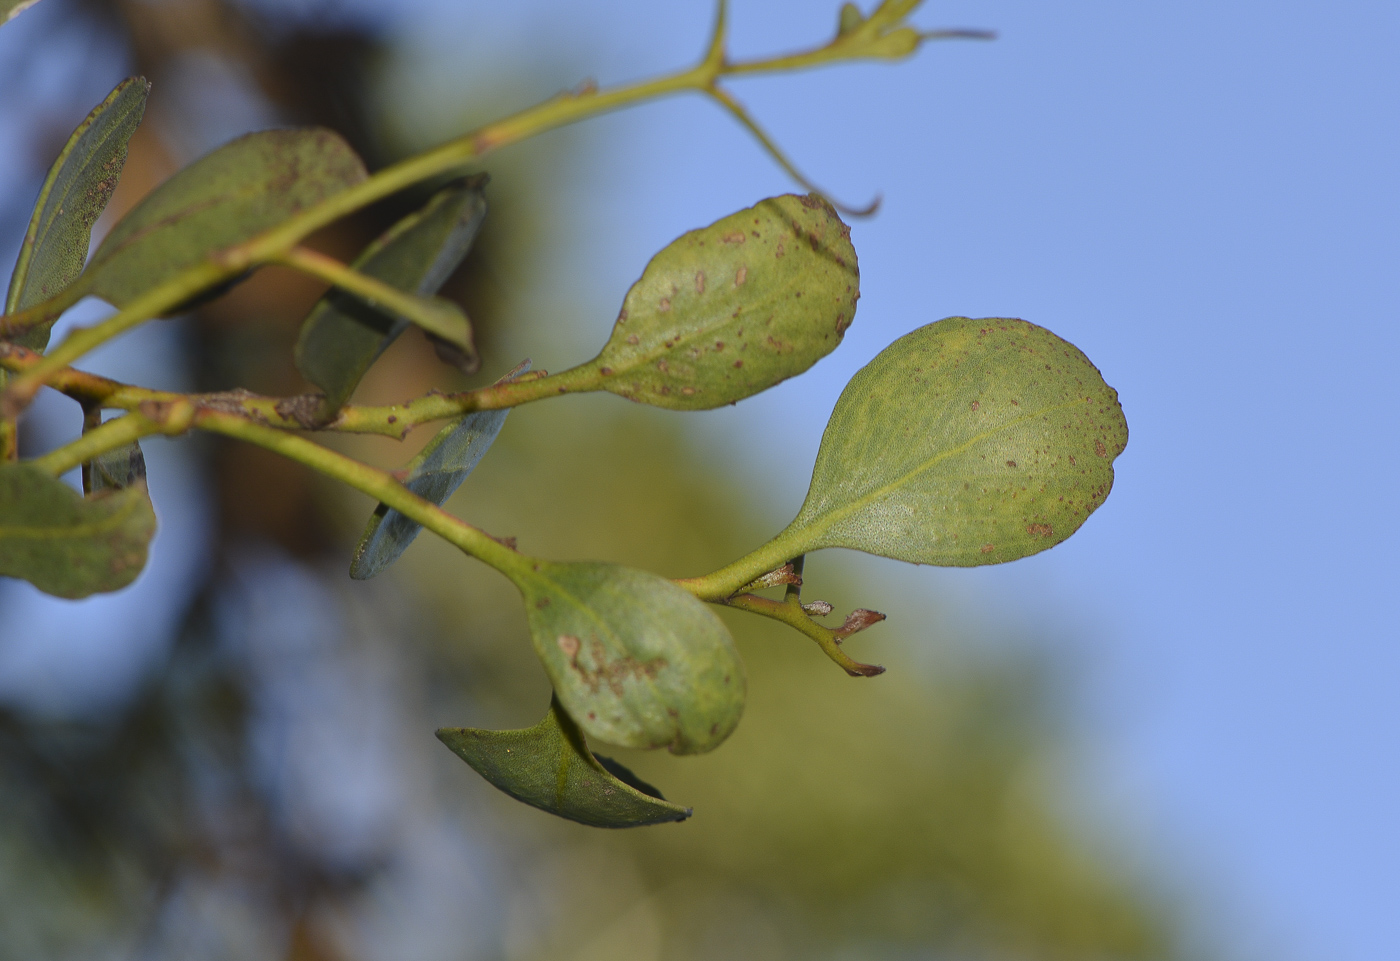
(73, 196)
(550, 767)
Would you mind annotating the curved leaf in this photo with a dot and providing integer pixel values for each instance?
(9, 9)
(636, 660)
(228, 196)
(549, 766)
(343, 336)
(434, 475)
(66, 544)
(115, 469)
(728, 311)
(965, 442)
(74, 194)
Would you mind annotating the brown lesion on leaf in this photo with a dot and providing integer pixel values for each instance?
(612, 672)
(1040, 530)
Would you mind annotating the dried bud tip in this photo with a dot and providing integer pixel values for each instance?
(857, 621)
(776, 578)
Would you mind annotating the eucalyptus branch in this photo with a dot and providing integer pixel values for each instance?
(295, 413)
(565, 109)
(153, 303)
(115, 433)
(377, 483)
(791, 612)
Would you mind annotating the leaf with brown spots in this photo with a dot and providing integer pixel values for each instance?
(549, 766)
(966, 442)
(228, 196)
(74, 194)
(636, 660)
(66, 544)
(727, 311)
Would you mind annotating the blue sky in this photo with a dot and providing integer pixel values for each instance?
(1202, 197)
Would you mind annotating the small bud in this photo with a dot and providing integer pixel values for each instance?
(776, 578)
(817, 608)
(857, 621)
(850, 21)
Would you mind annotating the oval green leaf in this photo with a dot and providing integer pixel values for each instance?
(66, 544)
(228, 196)
(549, 766)
(74, 194)
(966, 442)
(634, 659)
(343, 336)
(728, 311)
(434, 475)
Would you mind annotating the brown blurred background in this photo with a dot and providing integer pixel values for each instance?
(265, 783)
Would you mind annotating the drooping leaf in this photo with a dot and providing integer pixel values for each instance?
(342, 336)
(9, 9)
(634, 659)
(549, 766)
(728, 311)
(966, 442)
(66, 544)
(228, 196)
(115, 469)
(434, 475)
(74, 194)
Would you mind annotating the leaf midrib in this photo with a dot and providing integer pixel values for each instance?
(86, 529)
(825, 521)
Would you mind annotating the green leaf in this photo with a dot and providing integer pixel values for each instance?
(66, 544)
(965, 442)
(730, 310)
(226, 197)
(634, 659)
(343, 336)
(549, 766)
(115, 469)
(9, 9)
(74, 194)
(434, 475)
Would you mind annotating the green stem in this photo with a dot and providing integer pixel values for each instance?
(723, 583)
(437, 316)
(153, 303)
(275, 243)
(397, 419)
(115, 433)
(789, 611)
(374, 482)
(727, 101)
